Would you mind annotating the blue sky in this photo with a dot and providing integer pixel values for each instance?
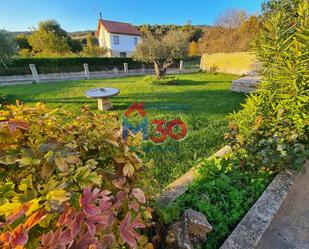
(73, 15)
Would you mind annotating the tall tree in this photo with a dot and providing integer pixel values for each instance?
(8, 46)
(193, 49)
(92, 49)
(49, 39)
(231, 18)
(222, 38)
(162, 50)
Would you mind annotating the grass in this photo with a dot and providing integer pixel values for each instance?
(237, 63)
(201, 100)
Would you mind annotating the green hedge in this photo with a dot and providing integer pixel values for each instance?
(20, 66)
(79, 61)
(108, 63)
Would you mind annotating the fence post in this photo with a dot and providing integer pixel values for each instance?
(34, 73)
(115, 70)
(143, 69)
(86, 71)
(125, 68)
(181, 65)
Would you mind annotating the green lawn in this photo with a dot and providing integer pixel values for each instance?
(201, 100)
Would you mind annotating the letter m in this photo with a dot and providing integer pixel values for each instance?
(127, 128)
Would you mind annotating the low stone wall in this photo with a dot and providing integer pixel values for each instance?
(251, 228)
(234, 63)
(180, 185)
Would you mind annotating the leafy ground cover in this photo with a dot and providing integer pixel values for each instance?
(224, 193)
(201, 100)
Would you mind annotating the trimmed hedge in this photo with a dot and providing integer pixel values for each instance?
(20, 66)
(106, 63)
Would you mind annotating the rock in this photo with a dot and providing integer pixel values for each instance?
(197, 224)
(246, 84)
(190, 232)
(178, 237)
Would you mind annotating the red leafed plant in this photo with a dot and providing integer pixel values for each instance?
(94, 224)
(64, 183)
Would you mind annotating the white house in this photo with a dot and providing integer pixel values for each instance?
(119, 37)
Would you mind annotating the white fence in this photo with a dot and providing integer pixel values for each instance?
(31, 74)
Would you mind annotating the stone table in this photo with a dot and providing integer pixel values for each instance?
(103, 95)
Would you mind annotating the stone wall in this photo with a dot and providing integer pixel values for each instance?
(234, 63)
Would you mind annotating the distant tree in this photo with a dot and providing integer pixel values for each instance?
(52, 26)
(233, 32)
(247, 32)
(8, 46)
(231, 18)
(24, 48)
(162, 50)
(22, 42)
(75, 45)
(193, 49)
(92, 49)
(49, 39)
(194, 32)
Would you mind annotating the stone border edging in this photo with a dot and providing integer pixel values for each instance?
(251, 228)
(180, 185)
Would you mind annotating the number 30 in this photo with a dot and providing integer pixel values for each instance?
(169, 130)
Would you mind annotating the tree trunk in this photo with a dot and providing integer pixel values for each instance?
(160, 70)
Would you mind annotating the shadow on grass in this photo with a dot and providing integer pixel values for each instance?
(197, 101)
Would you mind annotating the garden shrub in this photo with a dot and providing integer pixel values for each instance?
(273, 126)
(223, 192)
(214, 69)
(69, 182)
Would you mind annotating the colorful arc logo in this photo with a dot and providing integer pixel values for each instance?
(163, 128)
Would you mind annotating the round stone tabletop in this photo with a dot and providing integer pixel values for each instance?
(102, 92)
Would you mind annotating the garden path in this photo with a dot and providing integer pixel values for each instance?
(289, 229)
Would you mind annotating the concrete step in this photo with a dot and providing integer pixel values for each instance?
(246, 84)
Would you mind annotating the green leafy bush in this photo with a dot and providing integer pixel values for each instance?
(69, 183)
(223, 192)
(273, 127)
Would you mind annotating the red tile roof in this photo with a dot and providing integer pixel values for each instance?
(118, 27)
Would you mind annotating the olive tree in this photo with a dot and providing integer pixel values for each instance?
(8, 46)
(162, 50)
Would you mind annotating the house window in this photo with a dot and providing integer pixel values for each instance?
(123, 54)
(116, 40)
(135, 41)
